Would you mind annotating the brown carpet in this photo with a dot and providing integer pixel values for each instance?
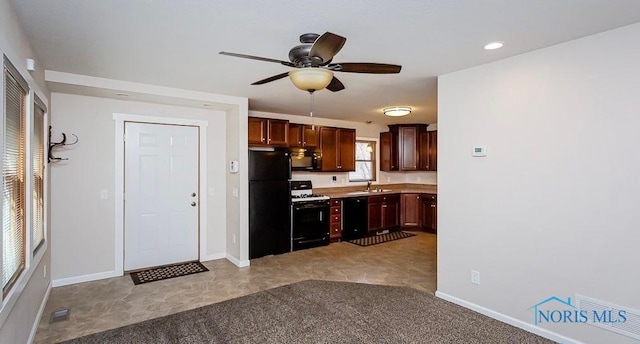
(322, 312)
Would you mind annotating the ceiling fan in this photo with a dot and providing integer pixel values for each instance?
(312, 63)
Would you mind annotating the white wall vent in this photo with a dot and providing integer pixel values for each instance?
(629, 328)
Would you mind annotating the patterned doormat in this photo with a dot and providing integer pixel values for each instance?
(166, 272)
(379, 239)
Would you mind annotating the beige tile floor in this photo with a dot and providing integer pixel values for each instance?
(114, 302)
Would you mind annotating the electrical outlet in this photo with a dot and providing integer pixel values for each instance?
(104, 194)
(44, 272)
(475, 277)
(234, 191)
(388, 179)
(234, 238)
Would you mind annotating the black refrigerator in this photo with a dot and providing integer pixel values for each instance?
(269, 203)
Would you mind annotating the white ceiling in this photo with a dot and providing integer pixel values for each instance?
(176, 43)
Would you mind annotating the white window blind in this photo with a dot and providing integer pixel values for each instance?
(13, 177)
(37, 173)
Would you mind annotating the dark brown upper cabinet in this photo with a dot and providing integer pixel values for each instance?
(429, 151)
(268, 132)
(407, 147)
(303, 136)
(338, 147)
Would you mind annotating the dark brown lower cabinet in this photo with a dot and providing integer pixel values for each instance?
(335, 224)
(411, 211)
(384, 212)
(430, 213)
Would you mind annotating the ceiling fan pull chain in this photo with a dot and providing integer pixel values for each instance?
(313, 127)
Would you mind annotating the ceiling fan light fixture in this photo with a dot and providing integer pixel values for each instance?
(310, 79)
(397, 111)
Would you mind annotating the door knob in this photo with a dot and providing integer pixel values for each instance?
(193, 204)
(193, 194)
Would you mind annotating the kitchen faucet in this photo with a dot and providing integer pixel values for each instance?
(369, 185)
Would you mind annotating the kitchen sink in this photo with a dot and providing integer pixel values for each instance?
(365, 192)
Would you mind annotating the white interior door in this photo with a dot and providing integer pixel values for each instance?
(161, 194)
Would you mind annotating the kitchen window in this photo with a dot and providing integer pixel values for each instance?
(14, 235)
(365, 162)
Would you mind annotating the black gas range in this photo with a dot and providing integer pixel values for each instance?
(309, 216)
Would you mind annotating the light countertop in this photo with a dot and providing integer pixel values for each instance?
(387, 189)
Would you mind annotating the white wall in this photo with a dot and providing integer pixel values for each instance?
(82, 223)
(363, 131)
(19, 312)
(553, 208)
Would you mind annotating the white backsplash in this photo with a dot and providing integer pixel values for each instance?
(325, 179)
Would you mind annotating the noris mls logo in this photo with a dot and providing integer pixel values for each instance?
(555, 310)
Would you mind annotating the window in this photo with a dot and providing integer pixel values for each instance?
(37, 175)
(365, 162)
(13, 176)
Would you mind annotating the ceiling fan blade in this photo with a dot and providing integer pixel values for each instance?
(251, 57)
(371, 68)
(327, 46)
(335, 85)
(270, 79)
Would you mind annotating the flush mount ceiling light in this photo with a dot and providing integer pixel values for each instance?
(494, 45)
(397, 111)
(310, 79)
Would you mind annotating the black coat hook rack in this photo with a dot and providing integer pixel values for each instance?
(63, 142)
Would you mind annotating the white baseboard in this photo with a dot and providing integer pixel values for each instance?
(237, 262)
(84, 278)
(36, 322)
(215, 256)
(508, 320)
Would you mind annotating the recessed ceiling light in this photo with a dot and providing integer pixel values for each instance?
(122, 95)
(493, 45)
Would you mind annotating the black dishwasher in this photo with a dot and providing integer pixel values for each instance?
(355, 217)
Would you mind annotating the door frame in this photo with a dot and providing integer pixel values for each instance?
(120, 119)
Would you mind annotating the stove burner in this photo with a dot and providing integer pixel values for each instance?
(306, 196)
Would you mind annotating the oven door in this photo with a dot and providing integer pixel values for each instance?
(309, 225)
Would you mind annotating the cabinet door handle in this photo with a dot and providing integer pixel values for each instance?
(304, 143)
(433, 206)
(384, 206)
(418, 197)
